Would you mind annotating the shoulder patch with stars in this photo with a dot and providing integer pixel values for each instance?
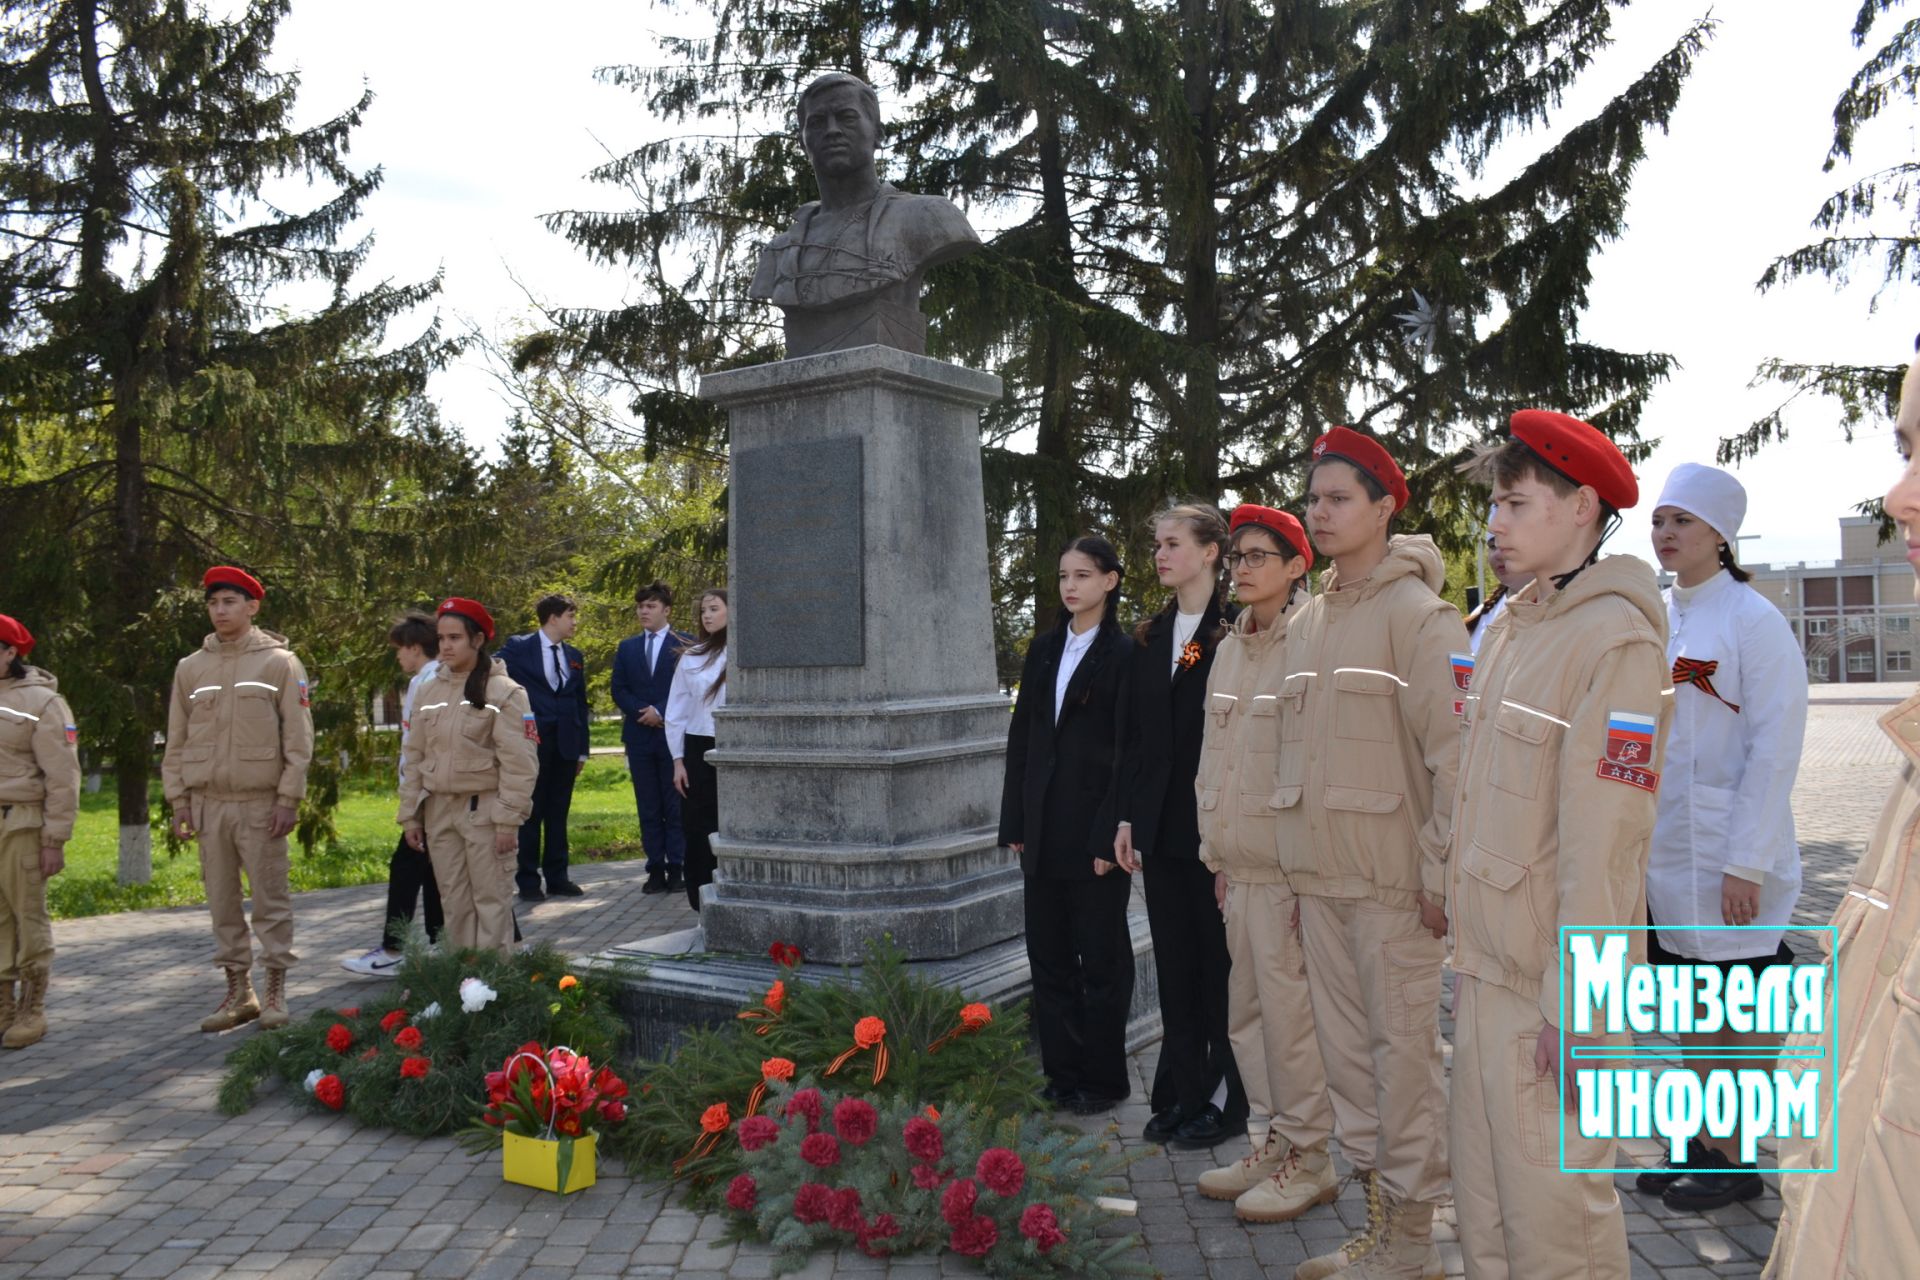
(1629, 750)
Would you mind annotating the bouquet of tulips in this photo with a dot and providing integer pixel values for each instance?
(540, 1093)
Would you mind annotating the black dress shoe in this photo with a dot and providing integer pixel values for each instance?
(1164, 1124)
(1083, 1103)
(566, 890)
(1209, 1128)
(676, 882)
(532, 895)
(1695, 1192)
(1056, 1095)
(1656, 1180)
(656, 883)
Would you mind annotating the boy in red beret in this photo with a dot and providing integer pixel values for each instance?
(239, 738)
(39, 795)
(1566, 720)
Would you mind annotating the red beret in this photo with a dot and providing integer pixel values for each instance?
(1578, 451)
(18, 636)
(1278, 523)
(472, 610)
(1364, 452)
(225, 575)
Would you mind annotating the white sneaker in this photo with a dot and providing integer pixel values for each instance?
(377, 963)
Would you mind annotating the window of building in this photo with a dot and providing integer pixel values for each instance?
(1857, 626)
(1899, 660)
(1900, 622)
(1820, 667)
(1819, 626)
(1860, 663)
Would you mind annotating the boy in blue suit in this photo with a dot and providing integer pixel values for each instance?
(642, 674)
(555, 678)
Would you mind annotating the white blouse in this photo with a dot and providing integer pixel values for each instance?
(689, 708)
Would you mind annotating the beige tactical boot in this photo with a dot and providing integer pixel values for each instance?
(1304, 1179)
(1404, 1250)
(239, 1006)
(29, 1021)
(6, 1004)
(273, 1011)
(1350, 1253)
(1237, 1178)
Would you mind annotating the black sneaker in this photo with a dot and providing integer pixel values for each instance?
(676, 882)
(532, 895)
(656, 883)
(1695, 1192)
(1656, 1180)
(567, 889)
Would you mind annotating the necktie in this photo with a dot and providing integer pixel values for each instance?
(559, 676)
(650, 639)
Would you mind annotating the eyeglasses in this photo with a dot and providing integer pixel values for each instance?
(1251, 559)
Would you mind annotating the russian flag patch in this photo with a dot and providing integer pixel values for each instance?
(303, 694)
(1462, 664)
(1630, 738)
(73, 734)
(532, 729)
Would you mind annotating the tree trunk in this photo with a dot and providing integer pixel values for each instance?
(132, 754)
(1056, 508)
(1195, 465)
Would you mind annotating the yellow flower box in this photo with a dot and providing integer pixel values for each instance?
(536, 1162)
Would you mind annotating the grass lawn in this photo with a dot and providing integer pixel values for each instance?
(602, 828)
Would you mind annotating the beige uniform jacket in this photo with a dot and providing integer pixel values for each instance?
(39, 764)
(456, 749)
(1863, 1219)
(238, 724)
(1370, 732)
(1567, 722)
(1239, 753)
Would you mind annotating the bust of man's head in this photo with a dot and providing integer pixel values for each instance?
(839, 118)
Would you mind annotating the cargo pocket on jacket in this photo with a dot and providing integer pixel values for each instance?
(1900, 1092)
(1519, 751)
(1413, 985)
(1364, 709)
(1293, 694)
(1220, 706)
(256, 722)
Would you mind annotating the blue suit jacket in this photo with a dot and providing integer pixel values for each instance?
(562, 715)
(634, 688)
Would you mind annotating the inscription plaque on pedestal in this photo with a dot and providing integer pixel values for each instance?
(798, 554)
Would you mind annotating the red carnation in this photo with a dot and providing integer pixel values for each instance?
(350, 1013)
(956, 1206)
(881, 1228)
(339, 1039)
(923, 1139)
(784, 954)
(743, 1193)
(330, 1091)
(927, 1178)
(855, 1120)
(821, 1150)
(974, 1237)
(844, 1213)
(409, 1038)
(1040, 1226)
(811, 1203)
(415, 1068)
(1002, 1171)
(393, 1020)
(756, 1132)
(806, 1102)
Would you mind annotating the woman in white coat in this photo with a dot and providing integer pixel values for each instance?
(1723, 850)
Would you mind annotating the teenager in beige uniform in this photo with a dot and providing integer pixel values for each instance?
(466, 783)
(1863, 1219)
(1269, 1020)
(1370, 736)
(239, 737)
(1566, 721)
(39, 794)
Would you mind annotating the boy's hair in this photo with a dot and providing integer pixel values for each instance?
(1503, 465)
(655, 590)
(551, 605)
(415, 630)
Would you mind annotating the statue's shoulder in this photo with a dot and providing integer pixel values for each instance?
(931, 225)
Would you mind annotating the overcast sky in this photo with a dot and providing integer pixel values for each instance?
(488, 116)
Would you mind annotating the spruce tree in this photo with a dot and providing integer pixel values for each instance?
(1214, 217)
(165, 401)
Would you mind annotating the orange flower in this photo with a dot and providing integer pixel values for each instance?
(715, 1119)
(933, 1114)
(569, 982)
(776, 1069)
(869, 1031)
(777, 997)
(975, 1016)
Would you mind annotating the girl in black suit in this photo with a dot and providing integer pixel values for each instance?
(1197, 1099)
(1057, 812)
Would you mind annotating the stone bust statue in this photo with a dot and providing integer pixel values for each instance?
(849, 272)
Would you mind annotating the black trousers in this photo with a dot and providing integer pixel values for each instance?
(1082, 961)
(699, 815)
(409, 878)
(552, 799)
(1190, 960)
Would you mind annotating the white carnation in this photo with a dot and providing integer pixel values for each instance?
(314, 1077)
(431, 1011)
(476, 995)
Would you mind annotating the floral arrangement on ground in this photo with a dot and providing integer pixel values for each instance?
(415, 1057)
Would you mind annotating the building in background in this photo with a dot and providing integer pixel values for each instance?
(1854, 616)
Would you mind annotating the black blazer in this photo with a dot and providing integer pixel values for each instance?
(563, 717)
(1166, 721)
(1061, 786)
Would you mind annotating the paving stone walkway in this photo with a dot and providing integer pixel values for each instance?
(114, 1162)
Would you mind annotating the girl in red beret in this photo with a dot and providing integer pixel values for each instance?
(39, 796)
